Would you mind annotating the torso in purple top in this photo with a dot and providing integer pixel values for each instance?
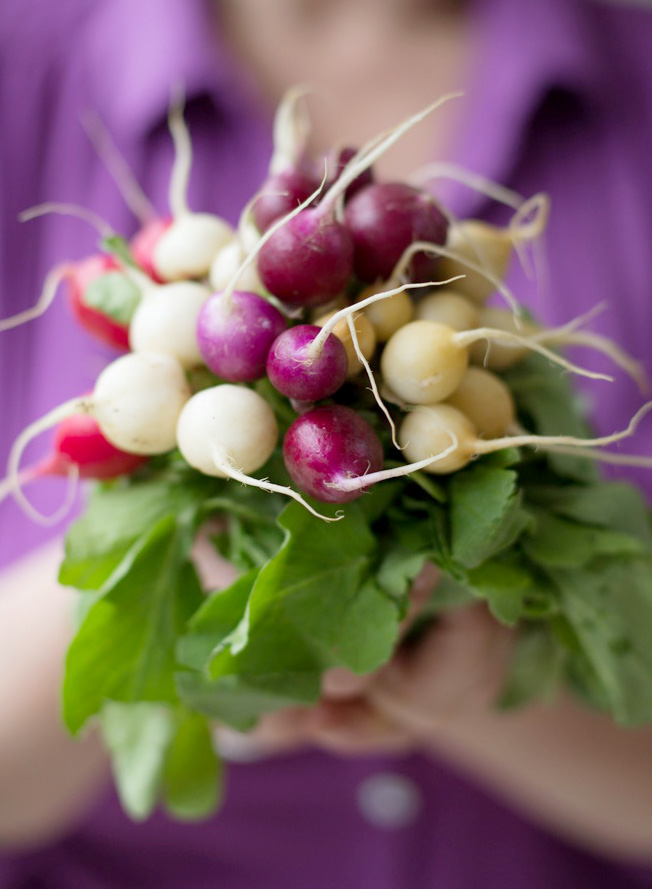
(561, 102)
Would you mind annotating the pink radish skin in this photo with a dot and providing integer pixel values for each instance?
(295, 371)
(144, 242)
(327, 445)
(235, 332)
(337, 161)
(280, 194)
(78, 440)
(102, 327)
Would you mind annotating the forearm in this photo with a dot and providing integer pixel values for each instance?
(46, 778)
(568, 768)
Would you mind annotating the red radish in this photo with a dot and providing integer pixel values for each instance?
(143, 243)
(80, 277)
(299, 374)
(235, 332)
(280, 194)
(308, 260)
(79, 450)
(336, 164)
(289, 183)
(384, 219)
(329, 445)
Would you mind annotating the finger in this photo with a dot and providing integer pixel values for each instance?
(458, 666)
(339, 683)
(352, 728)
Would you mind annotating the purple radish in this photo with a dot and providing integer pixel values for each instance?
(235, 332)
(328, 445)
(307, 261)
(280, 194)
(304, 373)
(384, 219)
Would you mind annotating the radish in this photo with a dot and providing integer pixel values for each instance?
(143, 243)
(187, 246)
(166, 319)
(384, 219)
(235, 332)
(79, 450)
(443, 434)
(448, 307)
(296, 372)
(424, 362)
(227, 262)
(136, 403)
(308, 261)
(490, 247)
(230, 431)
(328, 445)
(289, 183)
(487, 402)
(337, 162)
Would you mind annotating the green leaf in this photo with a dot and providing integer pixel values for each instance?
(118, 247)
(214, 621)
(548, 405)
(124, 648)
(504, 582)
(312, 607)
(115, 518)
(114, 295)
(239, 701)
(560, 543)
(616, 505)
(191, 772)
(536, 668)
(608, 605)
(486, 515)
(137, 736)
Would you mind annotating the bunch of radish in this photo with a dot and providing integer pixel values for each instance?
(332, 284)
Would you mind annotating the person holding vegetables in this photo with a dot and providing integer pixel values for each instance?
(408, 775)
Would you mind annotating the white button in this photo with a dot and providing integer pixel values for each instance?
(389, 800)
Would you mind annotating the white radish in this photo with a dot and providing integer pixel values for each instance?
(427, 432)
(227, 263)
(230, 431)
(188, 246)
(485, 399)
(424, 362)
(448, 307)
(477, 243)
(136, 402)
(166, 321)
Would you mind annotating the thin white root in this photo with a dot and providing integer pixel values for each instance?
(473, 181)
(498, 285)
(226, 466)
(370, 153)
(489, 333)
(327, 329)
(627, 363)
(100, 225)
(108, 152)
(576, 444)
(50, 287)
(522, 233)
(178, 191)
(372, 381)
(292, 129)
(372, 478)
(67, 409)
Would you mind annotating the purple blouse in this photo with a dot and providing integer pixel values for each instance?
(560, 101)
